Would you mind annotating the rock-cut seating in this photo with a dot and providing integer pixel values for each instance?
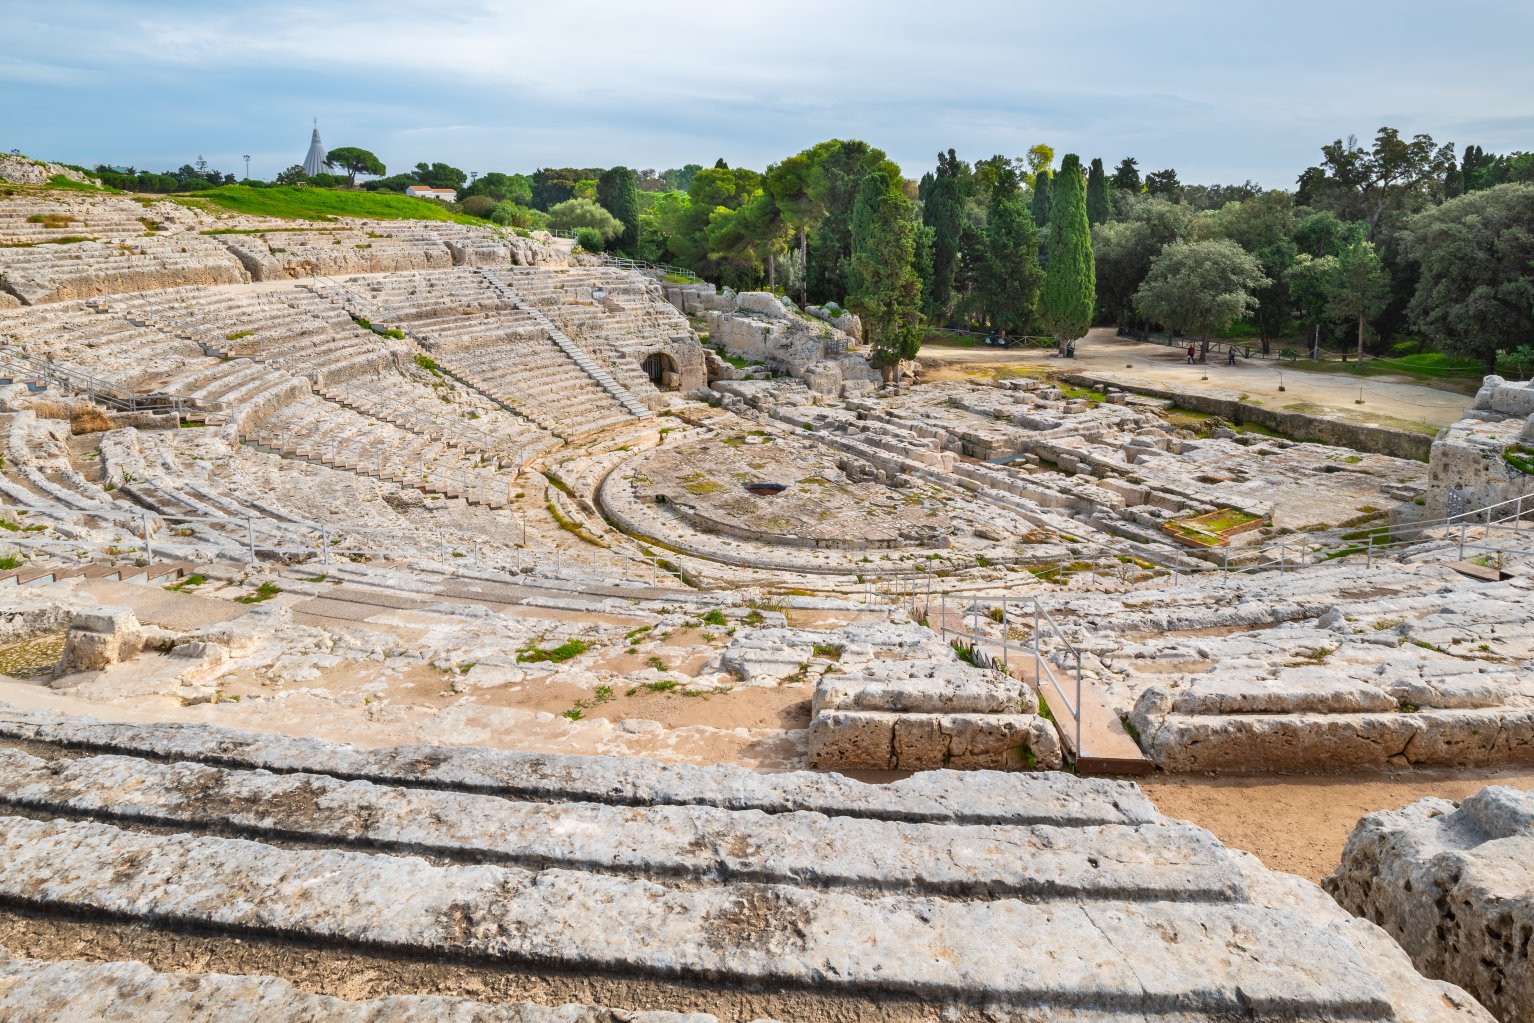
(516, 877)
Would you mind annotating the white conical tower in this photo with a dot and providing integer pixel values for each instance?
(314, 163)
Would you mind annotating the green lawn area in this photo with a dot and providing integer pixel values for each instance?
(1428, 366)
(319, 204)
(943, 339)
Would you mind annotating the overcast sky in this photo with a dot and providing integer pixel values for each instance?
(1222, 91)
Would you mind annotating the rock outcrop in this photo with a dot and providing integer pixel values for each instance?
(1454, 885)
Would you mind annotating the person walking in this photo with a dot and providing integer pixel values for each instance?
(1190, 354)
(1231, 360)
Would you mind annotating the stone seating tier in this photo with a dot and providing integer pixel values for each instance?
(793, 896)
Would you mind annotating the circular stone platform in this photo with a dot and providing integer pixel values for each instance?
(785, 492)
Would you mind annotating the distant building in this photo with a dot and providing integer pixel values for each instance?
(427, 192)
(315, 163)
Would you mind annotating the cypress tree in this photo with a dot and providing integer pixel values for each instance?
(618, 194)
(943, 212)
(1097, 192)
(1070, 279)
(1041, 198)
(886, 292)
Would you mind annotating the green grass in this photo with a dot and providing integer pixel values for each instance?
(714, 617)
(320, 204)
(266, 591)
(558, 655)
(1520, 457)
(71, 185)
(1427, 366)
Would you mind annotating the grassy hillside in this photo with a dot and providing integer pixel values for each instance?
(319, 204)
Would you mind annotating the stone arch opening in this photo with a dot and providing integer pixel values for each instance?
(662, 371)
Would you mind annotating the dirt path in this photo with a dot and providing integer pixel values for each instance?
(1299, 824)
(1396, 402)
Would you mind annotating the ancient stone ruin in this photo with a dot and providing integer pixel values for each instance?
(418, 621)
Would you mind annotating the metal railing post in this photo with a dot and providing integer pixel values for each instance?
(1080, 753)
(1462, 541)
(325, 545)
(148, 542)
(1037, 677)
(1005, 663)
(250, 538)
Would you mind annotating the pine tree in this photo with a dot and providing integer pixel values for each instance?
(1070, 279)
(1126, 176)
(618, 194)
(1042, 186)
(886, 292)
(1097, 193)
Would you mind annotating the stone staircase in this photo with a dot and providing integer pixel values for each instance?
(577, 354)
(43, 575)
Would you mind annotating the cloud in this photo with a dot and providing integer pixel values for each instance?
(1220, 91)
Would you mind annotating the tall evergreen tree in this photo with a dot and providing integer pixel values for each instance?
(1097, 192)
(943, 212)
(618, 193)
(1007, 284)
(885, 290)
(1042, 186)
(1070, 279)
(1126, 176)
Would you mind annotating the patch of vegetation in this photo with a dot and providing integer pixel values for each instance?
(573, 528)
(266, 591)
(570, 648)
(829, 651)
(71, 185)
(237, 335)
(657, 663)
(1520, 457)
(715, 617)
(664, 685)
(429, 364)
(968, 654)
(322, 204)
(1313, 656)
(190, 582)
(52, 221)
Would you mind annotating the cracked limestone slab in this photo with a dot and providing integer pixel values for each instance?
(1204, 959)
(945, 796)
(33, 991)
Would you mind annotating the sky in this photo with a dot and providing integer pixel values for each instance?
(1221, 91)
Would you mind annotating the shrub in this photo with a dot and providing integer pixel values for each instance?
(590, 239)
(574, 214)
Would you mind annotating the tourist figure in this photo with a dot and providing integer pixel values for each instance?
(1231, 359)
(1190, 355)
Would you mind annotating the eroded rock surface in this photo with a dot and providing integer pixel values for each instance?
(1454, 885)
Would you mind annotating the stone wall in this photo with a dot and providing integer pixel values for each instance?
(1468, 470)
(1377, 439)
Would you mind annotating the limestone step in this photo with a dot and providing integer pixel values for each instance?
(946, 796)
(1168, 860)
(788, 943)
(38, 991)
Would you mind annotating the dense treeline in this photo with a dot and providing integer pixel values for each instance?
(1376, 243)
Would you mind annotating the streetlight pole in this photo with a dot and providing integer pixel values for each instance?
(247, 166)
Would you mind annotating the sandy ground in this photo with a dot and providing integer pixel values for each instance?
(1388, 401)
(1299, 824)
